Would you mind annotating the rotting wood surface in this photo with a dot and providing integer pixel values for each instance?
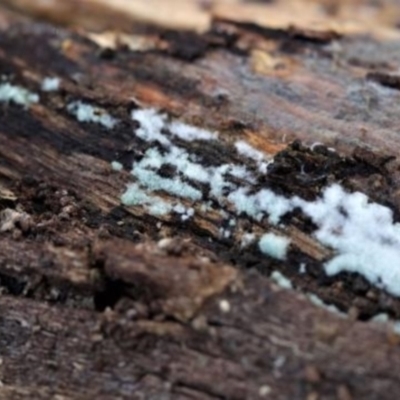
(105, 301)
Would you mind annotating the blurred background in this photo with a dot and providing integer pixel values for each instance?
(376, 17)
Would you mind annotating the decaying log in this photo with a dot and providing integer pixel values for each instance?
(102, 300)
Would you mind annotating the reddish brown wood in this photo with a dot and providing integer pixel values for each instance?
(105, 301)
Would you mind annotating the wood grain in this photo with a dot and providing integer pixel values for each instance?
(105, 301)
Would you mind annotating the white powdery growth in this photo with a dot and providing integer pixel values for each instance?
(151, 125)
(384, 318)
(281, 280)
(248, 151)
(135, 196)
(152, 181)
(186, 213)
(88, 113)
(381, 318)
(363, 234)
(17, 94)
(224, 233)
(181, 160)
(50, 84)
(274, 246)
(218, 183)
(190, 133)
(116, 166)
(247, 239)
(241, 172)
(185, 164)
(264, 201)
(155, 205)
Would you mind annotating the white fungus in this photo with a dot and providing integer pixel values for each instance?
(190, 133)
(154, 182)
(218, 182)
(157, 207)
(362, 234)
(152, 128)
(17, 94)
(247, 239)
(146, 171)
(181, 160)
(241, 172)
(381, 318)
(384, 318)
(264, 201)
(206, 206)
(396, 327)
(248, 151)
(116, 166)
(274, 246)
(224, 233)
(186, 213)
(88, 113)
(180, 209)
(151, 125)
(281, 280)
(50, 84)
(134, 196)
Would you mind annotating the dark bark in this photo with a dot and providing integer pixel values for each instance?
(105, 301)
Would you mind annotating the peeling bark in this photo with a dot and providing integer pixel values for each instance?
(108, 301)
